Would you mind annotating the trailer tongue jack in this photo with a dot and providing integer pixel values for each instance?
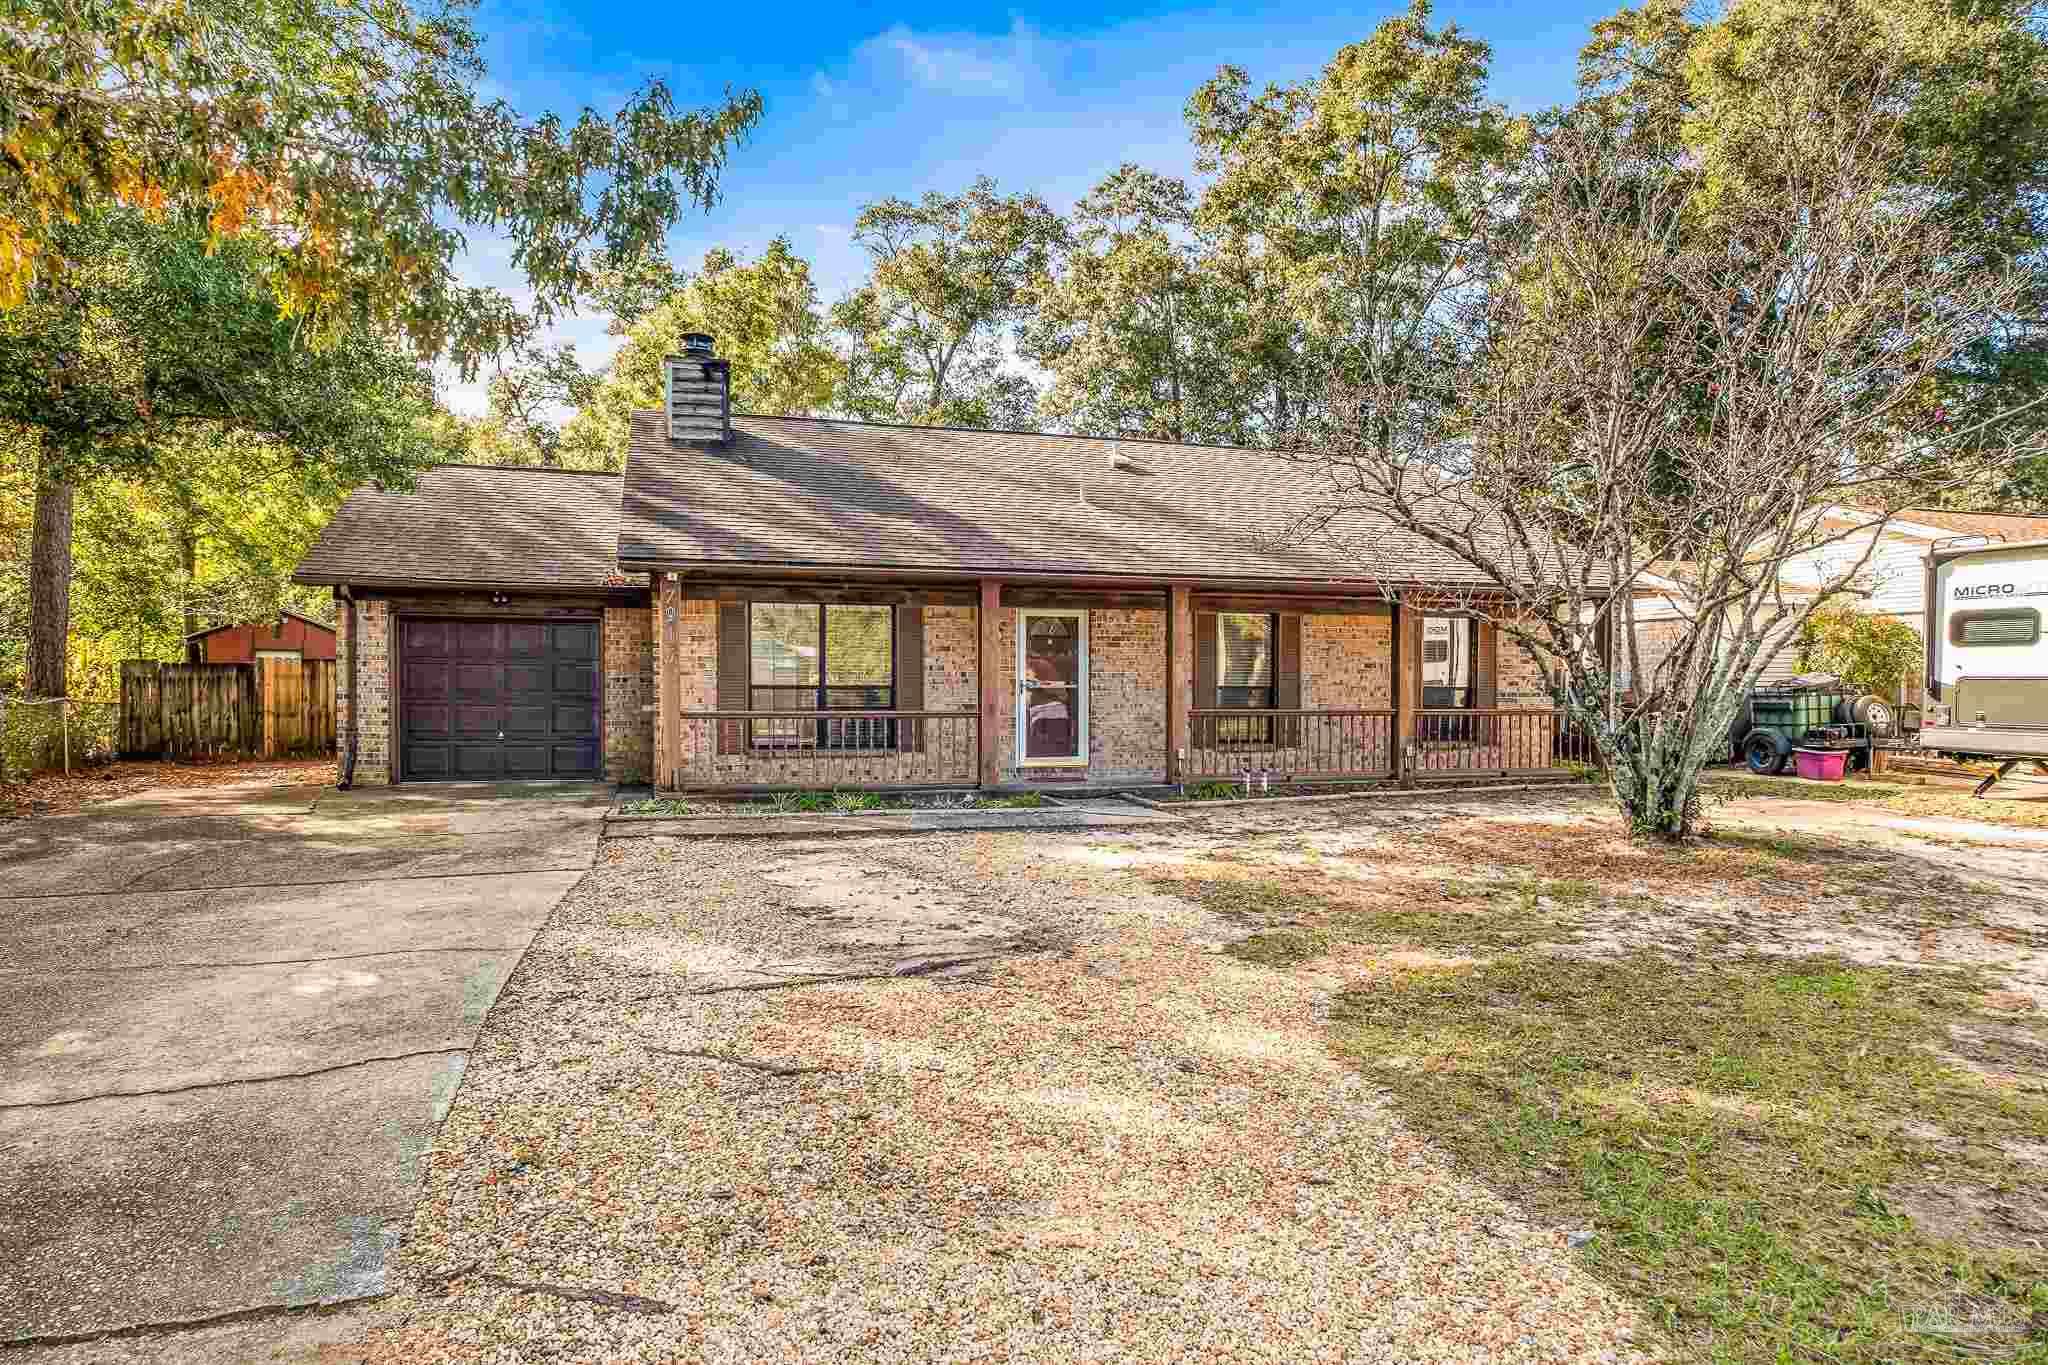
(2005, 767)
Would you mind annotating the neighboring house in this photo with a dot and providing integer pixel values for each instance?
(1893, 582)
(769, 601)
(289, 636)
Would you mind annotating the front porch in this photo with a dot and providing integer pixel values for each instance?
(1023, 685)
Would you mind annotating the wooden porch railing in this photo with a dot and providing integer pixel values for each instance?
(817, 749)
(1496, 741)
(1299, 745)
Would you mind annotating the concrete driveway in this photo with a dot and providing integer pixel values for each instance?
(230, 1022)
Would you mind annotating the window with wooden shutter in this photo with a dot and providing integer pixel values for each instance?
(910, 676)
(1486, 666)
(1287, 676)
(1203, 730)
(732, 674)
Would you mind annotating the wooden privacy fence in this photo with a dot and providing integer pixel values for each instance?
(272, 708)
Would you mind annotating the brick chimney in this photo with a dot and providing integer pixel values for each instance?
(699, 396)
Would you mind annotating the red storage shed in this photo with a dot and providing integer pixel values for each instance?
(288, 636)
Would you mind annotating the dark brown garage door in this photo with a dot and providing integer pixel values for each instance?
(482, 700)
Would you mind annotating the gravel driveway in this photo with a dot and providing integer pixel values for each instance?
(953, 1097)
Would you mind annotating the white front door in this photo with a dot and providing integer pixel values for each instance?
(1052, 688)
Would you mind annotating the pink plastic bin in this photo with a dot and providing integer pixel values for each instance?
(1820, 765)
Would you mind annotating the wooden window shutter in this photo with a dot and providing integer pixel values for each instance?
(1287, 676)
(910, 676)
(735, 675)
(1203, 731)
(1486, 668)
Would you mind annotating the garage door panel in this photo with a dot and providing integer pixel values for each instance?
(527, 760)
(524, 679)
(571, 760)
(475, 682)
(426, 760)
(526, 720)
(425, 637)
(483, 700)
(428, 719)
(579, 639)
(426, 678)
(570, 675)
(571, 719)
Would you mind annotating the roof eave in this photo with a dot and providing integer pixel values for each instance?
(394, 584)
(968, 574)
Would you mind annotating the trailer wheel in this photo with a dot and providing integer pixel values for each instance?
(1765, 752)
(1875, 713)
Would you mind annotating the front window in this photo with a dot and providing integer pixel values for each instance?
(807, 658)
(1244, 675)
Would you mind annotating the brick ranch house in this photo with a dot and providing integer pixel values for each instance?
(765, 602)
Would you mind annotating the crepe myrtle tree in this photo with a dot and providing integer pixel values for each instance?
(1676, 372)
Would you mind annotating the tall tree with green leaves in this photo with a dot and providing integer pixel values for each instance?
(158, 333)
(1965, 96)
(359, 134)
(1132, 320)
(764, 313)
(951, 274)
(1361, 203)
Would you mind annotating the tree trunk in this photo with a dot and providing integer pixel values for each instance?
(49, 592)
(188, 554)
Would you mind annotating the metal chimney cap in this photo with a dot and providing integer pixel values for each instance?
(698, 345)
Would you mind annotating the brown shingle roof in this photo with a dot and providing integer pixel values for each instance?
(474, 526)
(828, 494)
(2010, 525)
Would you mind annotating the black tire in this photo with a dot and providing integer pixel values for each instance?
(1876, 714)
(1764, 752)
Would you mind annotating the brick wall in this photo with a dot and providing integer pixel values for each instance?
(1521, 681)
(372, 691)
(1346, 662)
(628, 694)
(1126, 696)
(952, 649)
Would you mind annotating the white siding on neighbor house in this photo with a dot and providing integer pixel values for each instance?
(1894, 579)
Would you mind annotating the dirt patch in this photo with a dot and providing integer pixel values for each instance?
(56, 794)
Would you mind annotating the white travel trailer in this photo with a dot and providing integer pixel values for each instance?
(1987, 661)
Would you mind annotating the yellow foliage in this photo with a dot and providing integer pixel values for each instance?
(18, 251)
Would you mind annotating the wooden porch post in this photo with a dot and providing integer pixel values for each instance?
(668, 669)
(988, 666)
(1180, 678)
(1407, 661)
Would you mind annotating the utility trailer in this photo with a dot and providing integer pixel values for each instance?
(1812, 711)
(1987, 663)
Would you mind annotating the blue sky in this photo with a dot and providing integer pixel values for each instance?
(866, 101)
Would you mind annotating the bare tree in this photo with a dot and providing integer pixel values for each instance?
(1681, 368)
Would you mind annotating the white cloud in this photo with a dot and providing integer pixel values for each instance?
(962, 63)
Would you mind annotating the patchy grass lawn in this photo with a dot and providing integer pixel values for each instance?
(1947, 803)
(1783, 1080)
(1766, 1149)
